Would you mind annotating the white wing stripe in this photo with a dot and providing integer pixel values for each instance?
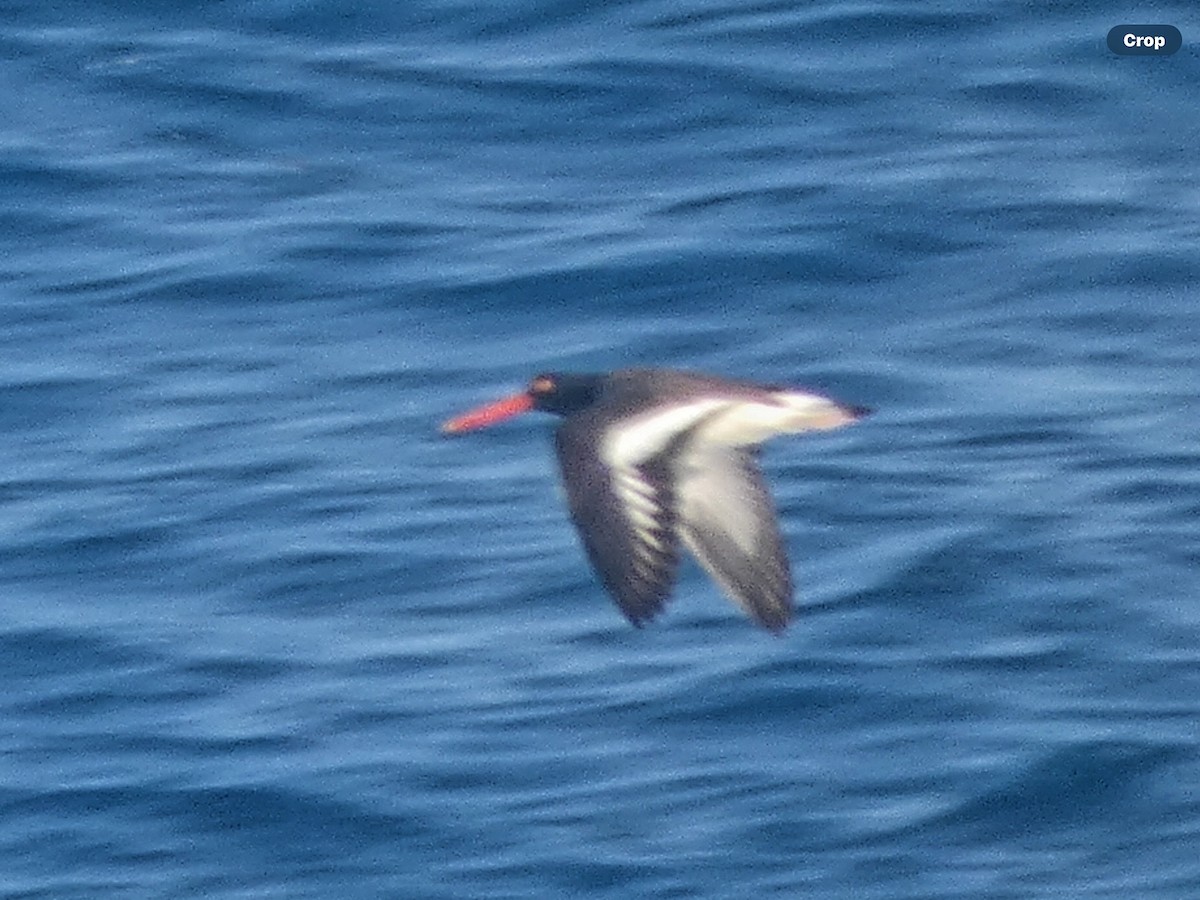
(642, 437)
(639, 503)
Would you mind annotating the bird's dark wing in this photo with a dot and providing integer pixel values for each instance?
(625, 516)
(727, 520)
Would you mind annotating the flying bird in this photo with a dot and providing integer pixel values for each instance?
(655, 460)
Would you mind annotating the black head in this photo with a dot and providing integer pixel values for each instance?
(562, 395)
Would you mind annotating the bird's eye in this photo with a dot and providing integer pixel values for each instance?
(543, 384)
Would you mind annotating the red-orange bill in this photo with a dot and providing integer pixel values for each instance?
(490, 414)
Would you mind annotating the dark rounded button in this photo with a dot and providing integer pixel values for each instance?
(1144, 40)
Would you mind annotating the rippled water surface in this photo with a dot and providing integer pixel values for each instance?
(265, 633)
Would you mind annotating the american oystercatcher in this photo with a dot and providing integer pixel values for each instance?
(653, 459)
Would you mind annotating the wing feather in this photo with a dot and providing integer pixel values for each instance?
(727, 520)
(624, 516)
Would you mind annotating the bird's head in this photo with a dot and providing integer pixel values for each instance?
(550, 392)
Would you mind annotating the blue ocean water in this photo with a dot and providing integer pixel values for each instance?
(265, 633)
